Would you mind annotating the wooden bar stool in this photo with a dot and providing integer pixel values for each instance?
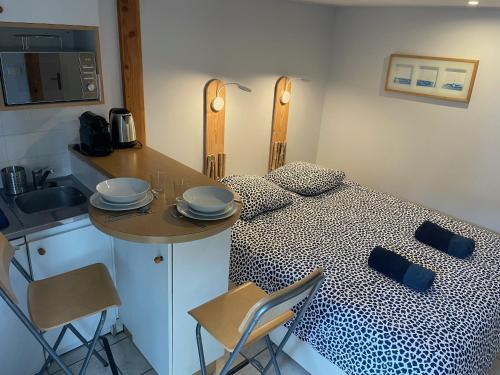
(60, 300)
(247, 313)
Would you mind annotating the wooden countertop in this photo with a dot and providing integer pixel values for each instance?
(160, 226)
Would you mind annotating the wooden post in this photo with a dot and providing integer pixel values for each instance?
(280, 124)
(129, 27)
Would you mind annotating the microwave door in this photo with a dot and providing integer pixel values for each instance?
(71, 76)
(16, 87)
(49, 78)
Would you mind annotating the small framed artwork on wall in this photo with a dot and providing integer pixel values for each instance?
(434, 77)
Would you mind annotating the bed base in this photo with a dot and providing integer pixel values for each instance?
(302, 353)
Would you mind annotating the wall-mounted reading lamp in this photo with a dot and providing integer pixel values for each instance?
(286, 95)
(218, 102)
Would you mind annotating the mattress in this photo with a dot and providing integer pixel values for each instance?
(360, 320)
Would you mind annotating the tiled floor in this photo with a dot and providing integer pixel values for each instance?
(131, 362)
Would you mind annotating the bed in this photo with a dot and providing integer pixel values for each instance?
(361, 321)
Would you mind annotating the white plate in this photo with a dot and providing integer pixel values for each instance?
(208, 199)
(206, 214)
(185, 210)
(97, 201)
(123, 190)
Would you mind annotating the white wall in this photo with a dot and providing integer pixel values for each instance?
(39, 137)
(439, 154)
(187, 42)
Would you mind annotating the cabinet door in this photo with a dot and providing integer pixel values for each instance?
(65, 252)
(15, 339)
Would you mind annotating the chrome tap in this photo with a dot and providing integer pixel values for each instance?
(40, 176)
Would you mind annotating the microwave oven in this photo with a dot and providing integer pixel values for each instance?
(48, 77)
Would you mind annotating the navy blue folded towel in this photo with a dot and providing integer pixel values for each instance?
(4, 222)
(442, 239)
(401, 269)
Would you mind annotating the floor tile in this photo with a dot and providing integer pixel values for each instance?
(78, 354)
(95, 368)
(150, 372)
(254, 349)
(72, 357)
(248, 370)
(495, 370)
(128, 358)
(287, 365)
(114, 339)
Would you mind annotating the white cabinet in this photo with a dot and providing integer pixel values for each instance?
(20, 352)
(66, 251)
(158, 285)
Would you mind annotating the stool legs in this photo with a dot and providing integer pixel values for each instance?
(203, 366)
(273, 355)
(56, 345)
(93, 343)
(87, 344)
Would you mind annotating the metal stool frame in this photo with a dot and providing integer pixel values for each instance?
(91, 345)
(275, 299)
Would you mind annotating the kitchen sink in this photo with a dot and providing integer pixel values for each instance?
(62, 201)
(50, 199)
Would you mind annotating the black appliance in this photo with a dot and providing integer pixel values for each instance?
(95, 135)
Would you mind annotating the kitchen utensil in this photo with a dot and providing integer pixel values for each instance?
(122, 128)
(123, 190)
(177, 215)
(138, 212)
(14, 180)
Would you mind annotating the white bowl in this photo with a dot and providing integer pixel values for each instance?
(123, 190)
(208, 198)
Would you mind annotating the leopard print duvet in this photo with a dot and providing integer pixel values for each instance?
(360, 320)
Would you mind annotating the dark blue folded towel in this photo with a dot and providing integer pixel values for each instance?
(442, 239)
(4, 222)
(401, 269)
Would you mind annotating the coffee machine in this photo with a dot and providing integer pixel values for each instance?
(95, 135)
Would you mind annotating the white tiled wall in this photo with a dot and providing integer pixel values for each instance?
(39, 138)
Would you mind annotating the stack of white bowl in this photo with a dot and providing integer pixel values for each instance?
(122, 193)
(207, 203)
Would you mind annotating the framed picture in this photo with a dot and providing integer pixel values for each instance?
(434, 77)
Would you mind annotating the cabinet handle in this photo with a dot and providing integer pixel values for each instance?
(158, 259)
(41, 251)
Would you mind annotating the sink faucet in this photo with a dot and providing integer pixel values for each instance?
(40, 176)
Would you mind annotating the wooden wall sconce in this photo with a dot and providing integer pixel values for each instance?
(214, 163)
(282, 96)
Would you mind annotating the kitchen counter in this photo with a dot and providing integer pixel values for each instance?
(160, 226)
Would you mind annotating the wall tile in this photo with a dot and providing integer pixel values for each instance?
(3, 151)
(37, 144)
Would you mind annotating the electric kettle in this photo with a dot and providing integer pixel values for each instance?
(122, 128)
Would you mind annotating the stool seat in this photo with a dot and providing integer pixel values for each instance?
(62, 299)
(222, 316)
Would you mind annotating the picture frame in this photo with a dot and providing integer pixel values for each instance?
(433, 77)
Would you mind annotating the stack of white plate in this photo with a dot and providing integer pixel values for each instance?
(207, 203)
(121, 194)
